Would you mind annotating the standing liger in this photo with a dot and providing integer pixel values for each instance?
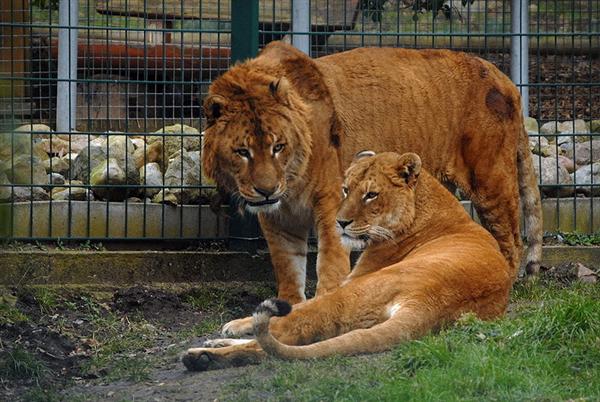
(425, 263)
(283, 127)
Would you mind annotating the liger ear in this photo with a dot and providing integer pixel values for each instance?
(213, 108)
(280, 89)
(409, 168)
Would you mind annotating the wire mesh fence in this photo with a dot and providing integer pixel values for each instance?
(127, 166)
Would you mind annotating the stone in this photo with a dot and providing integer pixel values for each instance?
(173, 193)
(56, 179)
(55, 146)
(567, 163)
(134, 199)
(29, 194)
(584, 274)
(165, 197)
(56, 164)
(552, 173)
(150, 175)
(39, 152)
(571, 129)
(595, 126)
(206, 193)
(531, 125)
(16, 143)
(138, 142)
(153, 153)
(584, 153)
(25, 169)
(120, 149)
(549, 128)
(38, 130)
(70, 157)
(540, 146)
(570, 272)
(176, 138)
(76, 142)
(71, 193)
(586, 175)
(109, 173)
(195, 155)
(5, 189)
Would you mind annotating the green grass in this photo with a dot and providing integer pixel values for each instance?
(546, 349)
(118, 347)
(9, 314)
(21, 364)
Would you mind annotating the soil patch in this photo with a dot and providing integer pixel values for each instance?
(113, 341)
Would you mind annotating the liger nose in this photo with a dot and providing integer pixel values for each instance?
(343, 223)
(264, 192)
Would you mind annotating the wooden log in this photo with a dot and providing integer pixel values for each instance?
(169, 57)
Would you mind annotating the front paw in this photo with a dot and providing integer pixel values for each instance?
(199, 359)
(240, 327)
(203, 359)
(221, 343)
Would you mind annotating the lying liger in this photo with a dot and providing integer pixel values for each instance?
(425, 263)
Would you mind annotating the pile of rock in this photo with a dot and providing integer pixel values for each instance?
(566, 153)
(163, 166)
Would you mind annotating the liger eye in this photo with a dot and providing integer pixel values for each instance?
(278, 148)
(243, 152)
(345, 191)
(371, 195)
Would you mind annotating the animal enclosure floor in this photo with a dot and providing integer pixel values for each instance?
(111, 344)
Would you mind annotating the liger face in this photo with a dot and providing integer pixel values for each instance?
(377, 202)
(256, 156)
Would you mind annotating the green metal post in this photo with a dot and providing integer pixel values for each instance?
(244, 29)
(243, 230)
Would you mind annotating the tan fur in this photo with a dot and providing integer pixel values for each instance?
(425, 264)
(460, 113)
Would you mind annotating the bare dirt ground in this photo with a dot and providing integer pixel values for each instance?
(115, 344)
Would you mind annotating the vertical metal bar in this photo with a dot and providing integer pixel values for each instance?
(244, 29)
(66, 102)
(301, 23)
(519, 50)
(243, 231)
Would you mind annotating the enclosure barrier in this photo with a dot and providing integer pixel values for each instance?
(101, 118)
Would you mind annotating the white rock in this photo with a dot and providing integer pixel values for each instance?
(539, 146)
(531, 125)
(585, 175)
(109, 173)
(585, 152)
(552, 173)
(29, 194)
(120, 149)
(150, 175)
(138, 142)
(73, 193)
(572, 129)
(567, 163)
(175, 138)
(56, 164)
(56, 179)
(174, 194)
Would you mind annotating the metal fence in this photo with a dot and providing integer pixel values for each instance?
(100, 100)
